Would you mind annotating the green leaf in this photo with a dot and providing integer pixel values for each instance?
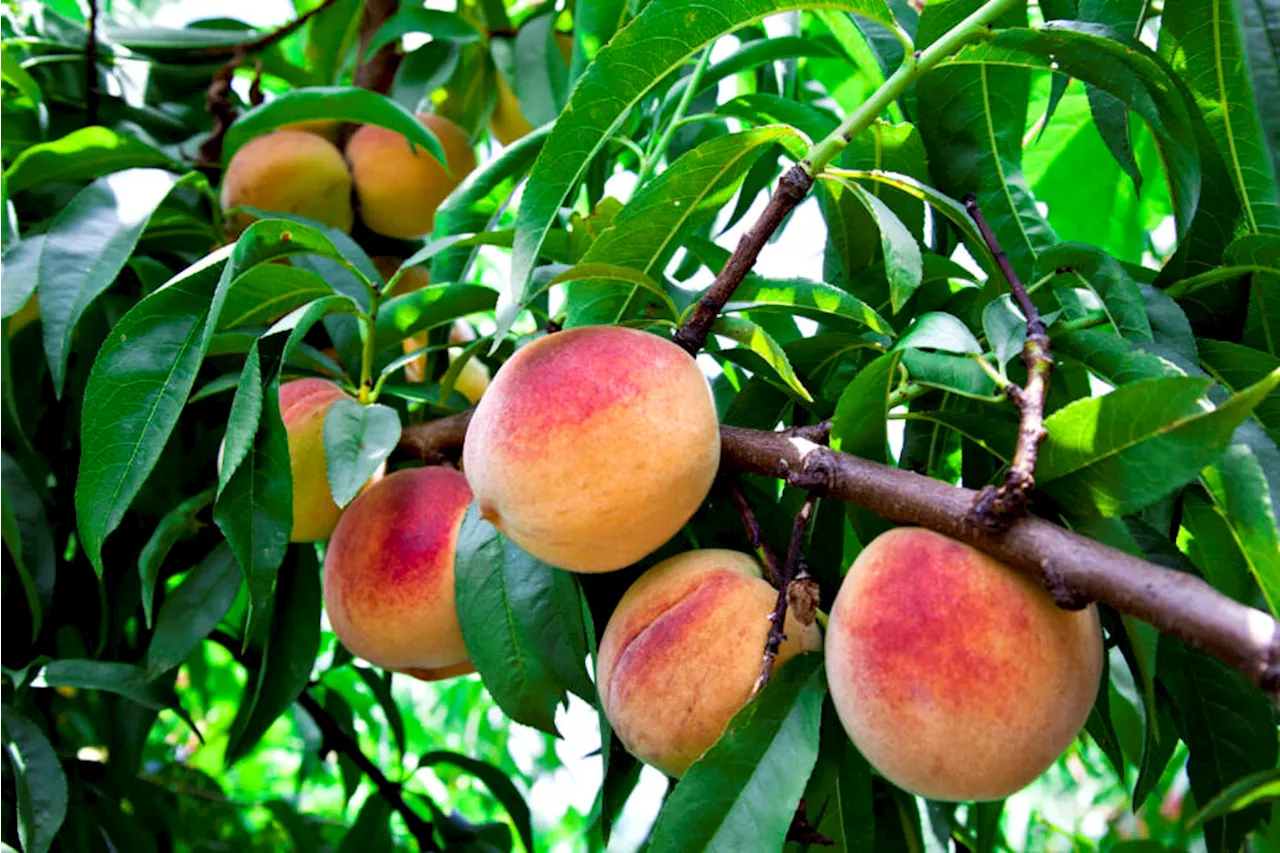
(600, 273)
(753, 337)
(743, 793)
(1006, 329)
(498, 783)
(287, 657)
(14, 74)
(123, 679)
(541, 78)
(1116, 454)
(336, 103)
(82, 155)
(480, 199)
(268, 292)
(658, 41)
(940, 331)
(1228, 727)
(380, 685)
(434, 305)
(136, 390)
(254, 507)
(1082, 265)
(85, 249)
(939, 201)
(858, 425)
(1240, 494)
(192, 610)
(1203, 42)
(903, 264)
(29, 538)
(1213, 548)
(522, 623)
(441, 26)
(357, 441)
(1260, 787)
(816, 300)
(1236, 367)
(372, 829)
(21, 271)
(972, 121)
(647, 232)
(41, 785)
(177, 524)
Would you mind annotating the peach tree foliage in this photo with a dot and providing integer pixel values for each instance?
(166, 680)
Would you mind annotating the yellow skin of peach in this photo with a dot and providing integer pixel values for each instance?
(399, 187)
(289, 171)
(473, 379)
(682, 652)
(303, 406)
(954, 674)
(593, 446)
(388, 573)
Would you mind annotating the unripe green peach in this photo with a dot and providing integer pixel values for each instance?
(955, 675)
(388, 573)
(593, 446)
(682, 653)
(303, 406)
(289, 171)
(400, 186)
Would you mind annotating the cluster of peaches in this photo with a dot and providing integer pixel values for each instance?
(956, 676)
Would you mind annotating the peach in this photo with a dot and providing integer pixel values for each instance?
(682, 653)
(289, 171)
(593, 446)
(303, 406)
(954, 674)
(400, 186)
(439, 673)
(388, 572)
(473, 378)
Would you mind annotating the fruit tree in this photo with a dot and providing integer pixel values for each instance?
(750, 425)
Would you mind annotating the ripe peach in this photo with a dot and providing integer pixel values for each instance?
(440, 673)
(388, 572)
(682, 652)
(954, 674)
(399, 186)
(289, 171)
(303, 406)
(593, 446)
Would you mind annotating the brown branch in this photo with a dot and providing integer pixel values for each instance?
(92, 95)
(791, 190)
(378, 72)
(803, 832)
(793, 573)
(995, 508)
(1076, 567)
(755, 534)
(336, 737)
(218, 98)
(266, 39)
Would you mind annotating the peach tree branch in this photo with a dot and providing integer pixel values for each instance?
(1073, 567)
(798, 180)
(996, 507)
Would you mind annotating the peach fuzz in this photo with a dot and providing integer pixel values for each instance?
(388, 572)
(400, 186)
(955, 675)
(682, 652)
(593, 446)
(289, 171)
(303, 406)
